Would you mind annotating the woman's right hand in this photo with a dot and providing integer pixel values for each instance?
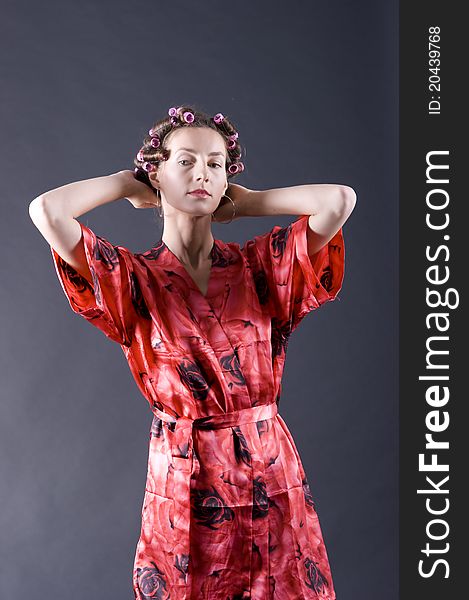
(138, 193)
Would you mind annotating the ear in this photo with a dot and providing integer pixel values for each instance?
(153, 177)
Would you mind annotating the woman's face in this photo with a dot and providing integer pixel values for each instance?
(197, 160)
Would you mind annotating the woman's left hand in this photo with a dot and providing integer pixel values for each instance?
(236, 192)
(224, 212)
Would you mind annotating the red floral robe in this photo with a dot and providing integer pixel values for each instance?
(227, 511)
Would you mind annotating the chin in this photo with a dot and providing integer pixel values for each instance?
(197, 212)
(201, 207)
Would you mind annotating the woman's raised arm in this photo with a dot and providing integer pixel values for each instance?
(329, 206)
(54, 212)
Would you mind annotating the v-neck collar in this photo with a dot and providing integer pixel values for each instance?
(189, 278)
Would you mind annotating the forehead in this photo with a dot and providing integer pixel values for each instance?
(201, 139)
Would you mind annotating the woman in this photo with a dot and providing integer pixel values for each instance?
(204, 325)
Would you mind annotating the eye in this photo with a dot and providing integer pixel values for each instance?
(185, 160)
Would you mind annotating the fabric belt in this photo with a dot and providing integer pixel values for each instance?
(180, 436)
(181, 426)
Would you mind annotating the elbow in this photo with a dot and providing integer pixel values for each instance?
(36, 208)
(347, 199)
(41, 209)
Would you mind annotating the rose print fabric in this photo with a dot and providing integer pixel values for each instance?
(227, 512)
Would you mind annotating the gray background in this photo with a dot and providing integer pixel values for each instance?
(312, 88)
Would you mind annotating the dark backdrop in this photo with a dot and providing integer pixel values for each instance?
(312, 88)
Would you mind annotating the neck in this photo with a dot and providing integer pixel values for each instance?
(189, 238)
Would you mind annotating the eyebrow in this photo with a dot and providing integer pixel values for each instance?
(194, 152)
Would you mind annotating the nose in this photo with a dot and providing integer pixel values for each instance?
(203, 172)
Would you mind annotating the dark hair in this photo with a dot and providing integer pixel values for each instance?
(169, 124)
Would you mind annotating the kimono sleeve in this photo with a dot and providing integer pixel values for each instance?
(107, 304)
(289, 281)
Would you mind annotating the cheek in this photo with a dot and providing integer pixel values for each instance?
(175, 180)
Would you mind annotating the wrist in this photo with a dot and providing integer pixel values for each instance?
(226, 211)
(125, 181)
(242, 198)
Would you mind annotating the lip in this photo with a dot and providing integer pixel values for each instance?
(201, 193)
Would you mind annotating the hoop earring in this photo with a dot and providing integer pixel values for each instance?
(234, 211)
